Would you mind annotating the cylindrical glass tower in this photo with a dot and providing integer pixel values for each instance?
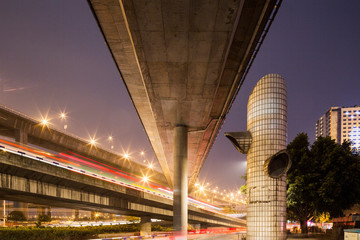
(267, 123)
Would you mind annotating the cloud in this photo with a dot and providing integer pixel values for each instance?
(14, 89)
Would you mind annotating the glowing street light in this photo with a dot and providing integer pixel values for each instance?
(63, 115)
(110, 139)
(151, 166)
(126, 156)
(92, 141)
(44, 122)
(145, 179)
(142, 153)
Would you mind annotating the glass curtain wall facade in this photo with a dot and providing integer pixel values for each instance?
(267, 123)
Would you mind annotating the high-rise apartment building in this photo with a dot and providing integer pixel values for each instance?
(340, 123)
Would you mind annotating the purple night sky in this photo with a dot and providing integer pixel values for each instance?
(54, 58)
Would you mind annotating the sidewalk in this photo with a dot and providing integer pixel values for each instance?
(315, 236)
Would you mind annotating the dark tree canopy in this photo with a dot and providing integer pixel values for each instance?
(323, 178)
(16, 216)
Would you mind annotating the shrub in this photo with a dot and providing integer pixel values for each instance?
(63, 233)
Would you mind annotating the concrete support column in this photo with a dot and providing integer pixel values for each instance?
(204, 226)
(22, 207)
(145, 226)
(92, 215)
(41, 211)
(197, 227)
(3, 210)
(49, 212)
(180, 182)
(21, 136)
(77, 213)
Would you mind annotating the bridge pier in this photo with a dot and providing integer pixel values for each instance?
(22, 207)
(93, 215)
(204, 226)
(21, 136)
(48, 211)
(77, 213)
(180, 206)
(41, 211)
(145, 225)
(197, 227)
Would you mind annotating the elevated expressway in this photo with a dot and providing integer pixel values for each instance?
(23, 178)
(26, 130)
(183, 63)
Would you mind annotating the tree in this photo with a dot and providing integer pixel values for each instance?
(16, 216)
(228, 209)
(323, 178)
(243, 188)
(300, 190)
(132, 219)
(44, 218)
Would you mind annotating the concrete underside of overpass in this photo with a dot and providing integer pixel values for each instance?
(27, 180)
(183, 63)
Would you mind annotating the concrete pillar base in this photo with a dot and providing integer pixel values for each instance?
(49, 212)
(40, 211)
(93, 216)
(22, 207)
(77, 213)
(145, 226)
(197, 227)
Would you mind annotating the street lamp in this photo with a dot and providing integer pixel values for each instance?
(110, 139)
(63, 115)
(44, 122)
(145, 179)
(92, 142)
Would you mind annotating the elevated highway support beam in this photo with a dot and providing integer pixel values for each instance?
(145, 225)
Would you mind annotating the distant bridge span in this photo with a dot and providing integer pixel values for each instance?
(26, 180)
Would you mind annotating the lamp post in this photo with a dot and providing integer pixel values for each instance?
(4, 214)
